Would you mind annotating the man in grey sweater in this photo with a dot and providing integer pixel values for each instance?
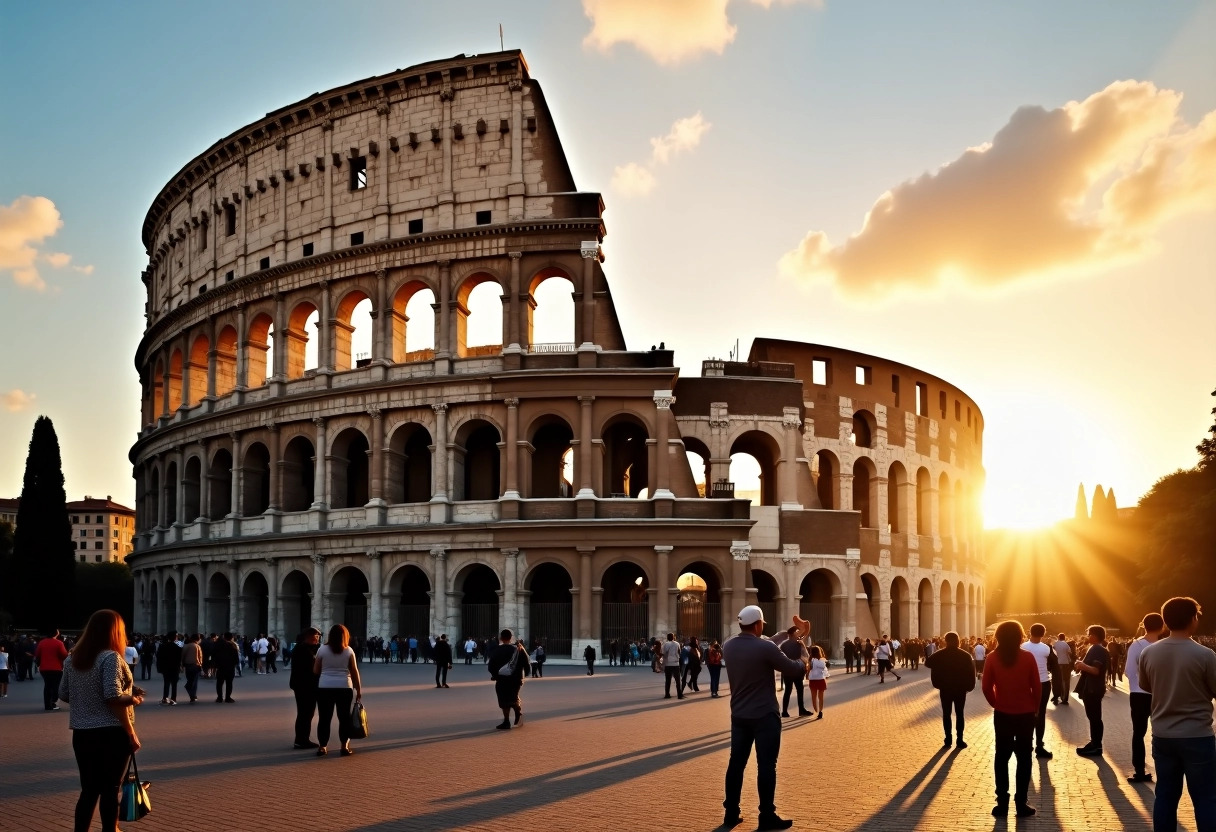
(750, 661)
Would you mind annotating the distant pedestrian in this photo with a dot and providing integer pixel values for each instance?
(303, 684)
(817, 679)
(1091, 687)
(470, 649)
(1012, 687)
(750, 661)
(1181, 676)
(868, 653)
(49, 654)
(507, 664)
(713, 661)
(849, 653)
(1141, 701)
(192, 665)
(1062, 672)
(885, 654)
(443, 661)
(589, 658)
(169, 666)
(978, 652)
(795, 650)
(693, 666)
(227, 657)
(1042, 655)
(671, 667)
(952, 672)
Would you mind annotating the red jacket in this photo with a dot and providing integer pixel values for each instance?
(1012, 690)
(50, 654)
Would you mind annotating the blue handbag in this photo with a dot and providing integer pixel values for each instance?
(135, 802)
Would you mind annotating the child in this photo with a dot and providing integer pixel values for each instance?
(817, 679)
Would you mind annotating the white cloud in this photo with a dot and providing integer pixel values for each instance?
(669, 31)
(24, 224)
(57, 259)
(637, 179)
(1060, 191)
(16, 400)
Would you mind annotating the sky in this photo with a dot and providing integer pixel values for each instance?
(1017, 198)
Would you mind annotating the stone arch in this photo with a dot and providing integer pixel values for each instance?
(765, 450)
(409, 464)
(865, 428)
(900, 626)
(218, 603)
(297, 473)
(625, 604)
(345, 326)
(171, 477)
(552, 457)
(255, 480)
(865, 491)
(827, 479)
(170, 588)
(555, 303)
(152, 499)
(158, 391)
(297, 339)
(869, 616)
(961, 624)
(410, 587)
(924, 497)
(768, 590)
(200, 349)
(190, 604)
(349, 469)
(255, 603)
(480, 587)
(192, 489)
(945, 602)
(971, 616)
(626, 456)
(476, 461)
(551, 607)
(219, 484)
(820, 604)
(699, 611)
(697, 454)
(175, 380)
(897, 480)
(295, 603)
(925, 596)
(225, 361)
(154, 607)
(258, 350)
(465, 304)
(348, 591)
(414, 301)
(945, 506)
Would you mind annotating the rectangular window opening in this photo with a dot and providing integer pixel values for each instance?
(264, 263)
(356, 239)
(358, 173)
(819, 371)
(202, 288)
(941, 402)
(968, 416)
(895, 388)
(308, 249)
(958, 411)
(922, 399)
(415, 226)
(229, 277)
(229, 220)
(483, 217)
(865, 375)
(202, 238)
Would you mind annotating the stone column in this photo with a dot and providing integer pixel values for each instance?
(663, 400)
(235, 624)
(381, 318)
(212, 354)
(510, 594)
(280, 341)
(235, 483)
(375, 583)
(512, 449)
(179, 603)
(444, 203)
(274, 622)
(878, 507)
(791, 556)
(591, 256)
(325, 334)
(162, 513)
(907, 507)
(439, 592)
(164, 389)
(320, 497)
(378, 454)
(740, 553)
(242, 351)
(327, 218)
(440, 498)
(180, 508)
(516, 187)
(935, 526)
(185, 402)
(586, 487)
(853, 563)
(382, 212)
(443, 320)
(276, 470)
(317, 613)
(791, 420)
(662, 579)
(584, 592)
(516, 308)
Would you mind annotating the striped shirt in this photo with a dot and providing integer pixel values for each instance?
(88, 690)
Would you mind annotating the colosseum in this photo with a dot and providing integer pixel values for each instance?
(572, 489)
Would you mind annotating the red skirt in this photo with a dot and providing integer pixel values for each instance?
(817, 684)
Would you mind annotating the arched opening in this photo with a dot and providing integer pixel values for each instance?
(626, 460)
(697, 455)
(412, 589)
(158, 392)
(476, 461)
(413, 323)
(960, 611)
(869, 616)
(190, 595)
(479, 317)
(625, 610)
(255, 480)
(946, 600)
(171, 494)
(863, 483)
(756, 480)
(828, 477)
(699, 602)
(819, 607)
(298, 474)
(864, 424)
(218, 604)
(766, 599)
(352, 331)
(175, 381)
(479, 603)
(197, 389)
(925, 623)
(154, 609)
(219, 484)
(409, 465)
(170, 602)
(900, 626)
(550, 459)
(258, 356)
(924, 492)
(255, 604)
(349, 470)
(897, 479)
(153, 500)
(972, 616)
(348, 600)
(191, 482)
(295, 604)
(301, 349)
(960, 515)
(225, 361)
(551, 609)
(551, 313)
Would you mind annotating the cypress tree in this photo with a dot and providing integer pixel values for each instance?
(44, 557)
(1099, 504)
(1081, 512)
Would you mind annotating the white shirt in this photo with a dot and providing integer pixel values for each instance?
(883, 651)
(818, 668)
(1063, 653)
(3, 660)
(335, 668)
(979, 652)
(895, 644)
(261, 646)
(1040, 652)
(470, 646)
(1131, 668)
(671, 654)
(131, 655)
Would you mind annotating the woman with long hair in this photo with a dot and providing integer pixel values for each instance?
(694, 664)
(337, 674)
(98, 685)
(817, 679)
(1012, 687)
(713, 661)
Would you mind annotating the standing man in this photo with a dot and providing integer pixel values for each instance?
(589, 657)
(50, 654)
(169, 666)
(303, 683)
(260, 650)
(1141, 701)
(979, 652)
(885, 653)
(793, 648)
(1093, 687)
(1062, 672)
(1181, 676)
(227, 658)
(848, 655)
(1041, 652)
(443, 661)
(470, 648)
(671, 667)
(750, 661)
(413, 649)
(192, 664)
(507, 664)
(952, 672)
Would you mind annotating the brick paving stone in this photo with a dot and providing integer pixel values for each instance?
(602, 752)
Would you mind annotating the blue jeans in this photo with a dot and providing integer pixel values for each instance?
(715, 673)
(1195, 759)
(765, 732)
(192, 671)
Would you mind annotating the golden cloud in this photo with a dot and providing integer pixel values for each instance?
(1056, 191)
(634, 179)
(669, 31)
(16, 400)
(24, 224)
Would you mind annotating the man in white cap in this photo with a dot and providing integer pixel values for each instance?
(750, 660)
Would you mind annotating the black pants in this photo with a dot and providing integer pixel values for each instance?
(1059, 683)
(1093, 712)
(170, 686)
(792, 682)
(441, 673)
(145, 667)
(590, 667)
(956, 701)
(1013, 735)
(306, 706)
(329, 700)
(101, 755)
(670, 673)
(765, 732)
(694, 674)
(223, 684)
(50, 687)
(1040, 717)
(1142, 708)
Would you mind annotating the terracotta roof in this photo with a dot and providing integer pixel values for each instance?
(96, 504)
(9, 503)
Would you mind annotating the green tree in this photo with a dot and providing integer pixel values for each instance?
(7, 582)
(101, 586)
(44, 557)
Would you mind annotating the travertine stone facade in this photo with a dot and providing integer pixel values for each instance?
(462, 488)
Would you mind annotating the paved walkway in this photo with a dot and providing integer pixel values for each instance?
(603, 752)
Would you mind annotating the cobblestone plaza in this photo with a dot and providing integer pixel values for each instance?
(600, 752)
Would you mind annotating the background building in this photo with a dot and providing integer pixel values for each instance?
(462, 487)
(102, 530)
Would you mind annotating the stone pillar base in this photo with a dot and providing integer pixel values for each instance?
(441, 511)
(377, 512)
(580, 644)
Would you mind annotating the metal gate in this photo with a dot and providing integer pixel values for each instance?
(479, 621)
(552, 624)
(820, 616)
(414, 620)
(355, 618)
(694, 617)
(771, 624)
(624, 622)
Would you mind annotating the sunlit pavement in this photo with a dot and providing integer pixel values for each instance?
(602, 752)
